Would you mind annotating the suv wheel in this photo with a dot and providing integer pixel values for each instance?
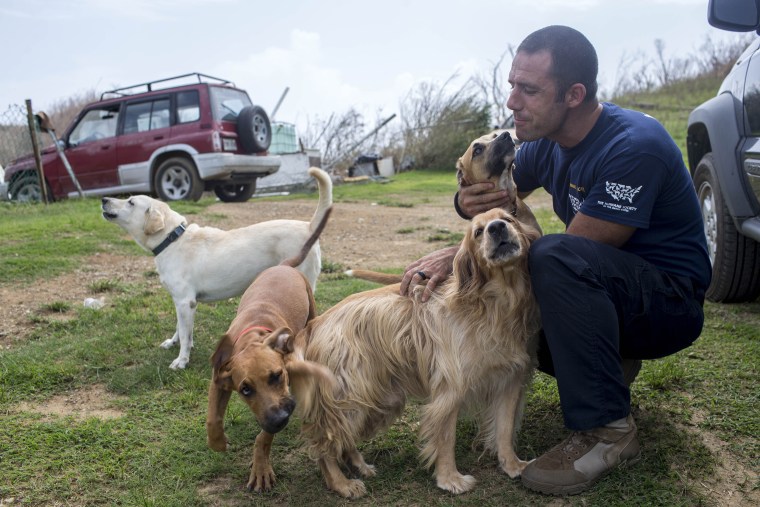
(735, 258)
(254, 129)
(25, 187)
(235, 192)
(177, 179)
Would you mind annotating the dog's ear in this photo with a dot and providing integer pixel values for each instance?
(460, 171)
(220, 363)
(154, 221)
(468, 274)
(282, 340)
(507, 183)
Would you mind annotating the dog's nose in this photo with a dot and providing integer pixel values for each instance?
(277, 418)
(504, 137)
(497, 228)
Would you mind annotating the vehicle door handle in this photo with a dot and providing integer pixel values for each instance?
(158, 138)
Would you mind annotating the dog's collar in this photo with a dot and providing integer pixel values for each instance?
(171, 238)
(251, 328)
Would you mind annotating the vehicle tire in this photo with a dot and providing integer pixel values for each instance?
(25, 187)
(177, 179)
(235, 192)
(735, 258)
(254, 129)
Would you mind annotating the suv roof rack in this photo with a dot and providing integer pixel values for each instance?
(201, 78)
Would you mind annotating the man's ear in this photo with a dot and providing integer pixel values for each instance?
(281, 340)
(154, 221)
(575, 95)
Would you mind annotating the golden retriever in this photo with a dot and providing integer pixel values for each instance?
(470, 347)
(201, 264)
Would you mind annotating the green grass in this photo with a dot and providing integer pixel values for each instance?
(153, 451)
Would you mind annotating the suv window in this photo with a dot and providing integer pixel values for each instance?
(227, 103)
(188, 107)
(97, 123)
(144, 116)
(752, 95)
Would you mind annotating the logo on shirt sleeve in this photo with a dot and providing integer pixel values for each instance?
(621, 192)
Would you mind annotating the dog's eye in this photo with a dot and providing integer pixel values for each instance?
(246, 390)
(477, 150)
(131, 202)
(478, 232)
(275, 378)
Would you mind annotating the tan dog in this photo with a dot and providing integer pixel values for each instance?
(491, 158)
(201, 264)
(260, 357)
(470, 347)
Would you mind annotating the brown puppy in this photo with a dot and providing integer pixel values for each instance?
(260, 357)
(470, 347)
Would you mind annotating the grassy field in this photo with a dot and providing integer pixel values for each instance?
(697, 410)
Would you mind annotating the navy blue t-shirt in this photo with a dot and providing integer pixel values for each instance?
(627, 170)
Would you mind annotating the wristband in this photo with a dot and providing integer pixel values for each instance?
(458, 209)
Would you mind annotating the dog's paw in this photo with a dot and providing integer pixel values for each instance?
(217, 444)
(351, 488)
(366, 470)
(456, 483)
(179, 363)
(261, 480)
(167, 344)
(513, 467)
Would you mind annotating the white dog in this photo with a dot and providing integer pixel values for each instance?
(208, 264)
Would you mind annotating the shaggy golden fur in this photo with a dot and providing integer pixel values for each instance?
(470, 347)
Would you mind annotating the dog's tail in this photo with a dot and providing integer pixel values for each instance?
(298, 259)
(324, 182)
(375, 276)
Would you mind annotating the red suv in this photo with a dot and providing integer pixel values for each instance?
(173, 141)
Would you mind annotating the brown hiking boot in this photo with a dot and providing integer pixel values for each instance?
(583, 458)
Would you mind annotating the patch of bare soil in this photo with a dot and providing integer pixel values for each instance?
(92, 401)
(23, 304)
(733, 485)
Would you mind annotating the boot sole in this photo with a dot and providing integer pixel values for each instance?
(574, 489)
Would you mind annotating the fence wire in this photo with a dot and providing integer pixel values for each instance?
(15, 139)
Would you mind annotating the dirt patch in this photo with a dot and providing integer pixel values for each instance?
(91, 401)
(733, 485)
(358, 235)
(23, 304)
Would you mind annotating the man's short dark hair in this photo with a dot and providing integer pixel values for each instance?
(574, 59)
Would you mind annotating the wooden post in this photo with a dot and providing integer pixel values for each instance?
(36, 148)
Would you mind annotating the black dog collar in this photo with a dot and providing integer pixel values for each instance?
(171, 238)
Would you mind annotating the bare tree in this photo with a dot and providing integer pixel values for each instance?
(495, 89)
(438, 125)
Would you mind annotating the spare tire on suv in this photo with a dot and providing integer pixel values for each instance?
(254, 129)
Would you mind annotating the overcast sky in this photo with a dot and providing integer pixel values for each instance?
(332, 54)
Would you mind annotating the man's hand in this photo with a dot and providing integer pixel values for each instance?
(479, 197)
(431, 270)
